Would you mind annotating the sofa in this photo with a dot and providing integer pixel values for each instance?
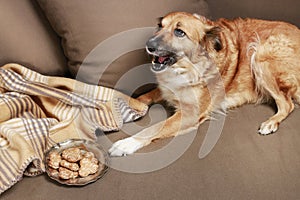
(101, 43)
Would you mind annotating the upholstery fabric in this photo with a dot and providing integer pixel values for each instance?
(281, 10)
(27, 38)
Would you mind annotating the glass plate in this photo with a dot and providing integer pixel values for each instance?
(86, 145)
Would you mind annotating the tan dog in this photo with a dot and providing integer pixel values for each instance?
(205, 66)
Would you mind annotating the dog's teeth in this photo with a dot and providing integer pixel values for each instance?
(156, 67)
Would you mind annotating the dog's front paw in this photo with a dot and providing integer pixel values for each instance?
(125, 147)
(268, 127)
(145, 99)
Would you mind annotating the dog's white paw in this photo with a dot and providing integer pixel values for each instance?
(268, 127)
(125, 147)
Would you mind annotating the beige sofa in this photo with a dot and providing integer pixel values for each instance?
(64, 38)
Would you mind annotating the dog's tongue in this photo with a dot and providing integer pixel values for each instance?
(162, 59)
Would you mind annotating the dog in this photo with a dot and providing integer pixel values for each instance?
(205, 66)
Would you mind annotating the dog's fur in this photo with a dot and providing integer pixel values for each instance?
(204, 66)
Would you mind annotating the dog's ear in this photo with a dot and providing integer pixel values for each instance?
(203, 19)
(212, 37)
(159, 20)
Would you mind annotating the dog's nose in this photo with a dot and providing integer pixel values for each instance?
(150, 49)
(152, 44)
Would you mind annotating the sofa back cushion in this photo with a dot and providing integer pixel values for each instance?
(282, 10)
(27, 38)
(87, 25)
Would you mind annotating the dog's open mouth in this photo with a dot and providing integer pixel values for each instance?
(162, 59)
(160, 63)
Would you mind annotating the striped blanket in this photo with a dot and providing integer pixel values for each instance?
(38, 111)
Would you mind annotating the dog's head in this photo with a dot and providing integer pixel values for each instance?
(182, 36)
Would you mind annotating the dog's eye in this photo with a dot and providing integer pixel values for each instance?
(179, 33)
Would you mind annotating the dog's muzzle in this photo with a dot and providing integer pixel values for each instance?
(161, 58)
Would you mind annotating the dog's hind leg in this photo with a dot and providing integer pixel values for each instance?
(284, 107)
(280, 92)
(275, 66)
